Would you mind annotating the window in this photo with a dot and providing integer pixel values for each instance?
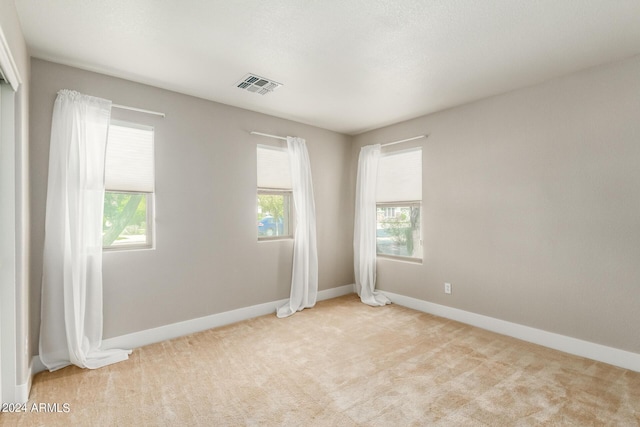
(273, 213)
(127, 222)
(274, 193)
(398, 204)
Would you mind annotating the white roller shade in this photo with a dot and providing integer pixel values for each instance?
(400, 176)
(273, 168)
(129, 159)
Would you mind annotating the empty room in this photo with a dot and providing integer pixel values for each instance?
(349, 213)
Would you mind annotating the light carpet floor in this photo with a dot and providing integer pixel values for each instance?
(341, 363)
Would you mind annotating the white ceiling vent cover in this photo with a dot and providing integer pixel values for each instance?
(257, 84)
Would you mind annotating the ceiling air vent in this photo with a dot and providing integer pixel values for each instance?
(257, 84)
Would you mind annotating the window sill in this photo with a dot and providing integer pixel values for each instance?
(274, 238)
(400, 259)
(128, 249)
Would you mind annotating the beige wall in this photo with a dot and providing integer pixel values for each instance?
(207, 258)
(531, 206)
(10, 26)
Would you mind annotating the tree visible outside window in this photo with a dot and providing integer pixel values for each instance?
(273, 214)
(398, 234)
(125, 219)
(127, 222)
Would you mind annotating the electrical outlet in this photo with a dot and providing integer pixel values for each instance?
(447, 288)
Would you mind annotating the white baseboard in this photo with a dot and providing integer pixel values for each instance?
(175, 330)
(601, 353)
(37, 365)
(20, 392)
(336, 292)
(598, 352)
(23, 390)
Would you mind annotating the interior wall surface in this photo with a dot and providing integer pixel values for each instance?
(531, 206)
(207, 258)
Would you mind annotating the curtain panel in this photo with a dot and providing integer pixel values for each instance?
(364, 239)
(304, 275)
(71, 320)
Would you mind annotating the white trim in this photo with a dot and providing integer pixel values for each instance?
(36, 365)
(598, 352)
(336, 292)
(8, 65)
(601, 353)
(8, 339)
(22, 390)
(175, 330)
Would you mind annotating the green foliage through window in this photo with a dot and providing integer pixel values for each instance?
(125, 219)
(273, 214)
(398, 230)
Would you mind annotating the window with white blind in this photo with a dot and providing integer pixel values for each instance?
(274, 193)
(127, 222)
(398, 204)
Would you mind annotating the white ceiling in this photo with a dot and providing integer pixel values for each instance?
(346, 65)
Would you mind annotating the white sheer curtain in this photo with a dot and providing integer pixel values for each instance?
(71, 320)
(364, 239)
(304, 277)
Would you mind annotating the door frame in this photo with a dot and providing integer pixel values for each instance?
(9, 387)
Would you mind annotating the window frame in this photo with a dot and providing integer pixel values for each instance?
(387, 200)
(150, 232)
(273, 178)
(288, 213)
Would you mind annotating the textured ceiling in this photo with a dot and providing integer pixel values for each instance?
(346, 65)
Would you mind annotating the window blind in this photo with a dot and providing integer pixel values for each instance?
(129, 158)
(273, 168)
(400, 176)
